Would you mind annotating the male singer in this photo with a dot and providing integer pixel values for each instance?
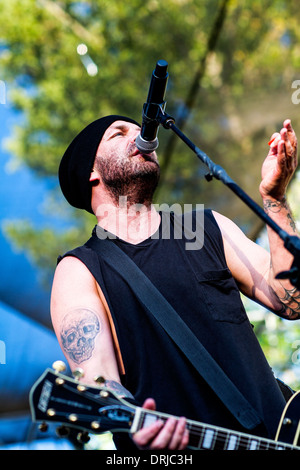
(103, 329)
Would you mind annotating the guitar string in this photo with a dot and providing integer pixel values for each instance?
(220, 436)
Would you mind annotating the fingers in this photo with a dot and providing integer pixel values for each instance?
(273, 137)
(285, 154)
(145, 436)
(171, 435)
(284, 140)
(273, 143)
(180, 438)
(287, 124)
(281, 162)
(149, 404)
(289, 136)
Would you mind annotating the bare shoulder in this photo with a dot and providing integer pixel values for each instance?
(74, 286)
(80, 320)
(233, 237)
(71, 268)
(72, 280)
(226, 225)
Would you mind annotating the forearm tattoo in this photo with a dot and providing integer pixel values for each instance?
(290, 303)
(78, 332)
(276, 206)
(119, 390)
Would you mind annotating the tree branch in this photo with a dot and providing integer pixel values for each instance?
(80, 31)
(195, 87)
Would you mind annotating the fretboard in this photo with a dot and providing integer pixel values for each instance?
(208, 437)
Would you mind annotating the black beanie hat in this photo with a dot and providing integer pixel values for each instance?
(78, 160)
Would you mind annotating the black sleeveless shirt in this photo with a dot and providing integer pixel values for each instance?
(200, 287)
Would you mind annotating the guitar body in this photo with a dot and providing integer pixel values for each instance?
(289, 425)
(59, 398)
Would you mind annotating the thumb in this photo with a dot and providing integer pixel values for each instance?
(149, 404)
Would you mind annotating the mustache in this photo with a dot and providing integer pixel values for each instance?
(132, 150)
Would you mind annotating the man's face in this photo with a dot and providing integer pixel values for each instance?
(119, 140)
(122, 167)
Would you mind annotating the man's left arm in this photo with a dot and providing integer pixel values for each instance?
(253, 267)
(277, 171)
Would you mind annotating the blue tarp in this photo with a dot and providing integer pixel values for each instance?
(27, 349)
(27, 344)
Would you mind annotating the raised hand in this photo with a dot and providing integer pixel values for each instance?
(280, 163)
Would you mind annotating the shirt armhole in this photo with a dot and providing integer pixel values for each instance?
(113, 332)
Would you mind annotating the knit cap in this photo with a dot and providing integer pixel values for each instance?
(78, 160)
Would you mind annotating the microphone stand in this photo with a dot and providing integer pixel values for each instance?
(291, 242)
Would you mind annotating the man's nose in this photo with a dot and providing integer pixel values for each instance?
(133, 135)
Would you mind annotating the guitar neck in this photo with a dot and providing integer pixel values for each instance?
(209, 437)
(57, 398)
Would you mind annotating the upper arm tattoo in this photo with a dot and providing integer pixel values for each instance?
(78, 332)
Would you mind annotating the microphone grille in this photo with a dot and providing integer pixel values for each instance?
(144, 146)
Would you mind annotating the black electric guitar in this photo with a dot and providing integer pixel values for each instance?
(59, 398)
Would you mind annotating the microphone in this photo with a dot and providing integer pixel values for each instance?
(147, 140)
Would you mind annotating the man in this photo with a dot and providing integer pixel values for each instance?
(102, 327)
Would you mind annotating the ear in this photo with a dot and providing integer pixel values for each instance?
(94, 177)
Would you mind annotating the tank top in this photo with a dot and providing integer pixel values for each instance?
(200, 287)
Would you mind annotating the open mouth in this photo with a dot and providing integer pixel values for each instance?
(144, 156)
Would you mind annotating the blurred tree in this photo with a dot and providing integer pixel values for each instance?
(68, 63)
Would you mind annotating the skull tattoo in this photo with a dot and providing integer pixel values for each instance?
(78, 332)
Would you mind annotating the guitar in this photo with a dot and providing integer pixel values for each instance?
(58, 398)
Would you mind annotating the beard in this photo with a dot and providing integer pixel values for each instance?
(132, 176)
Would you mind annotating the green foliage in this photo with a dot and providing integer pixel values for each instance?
(280, 341)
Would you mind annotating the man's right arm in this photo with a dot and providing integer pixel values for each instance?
(82, 328)
(81, 324)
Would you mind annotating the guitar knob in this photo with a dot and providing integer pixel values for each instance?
(62, 431)
(83, 437)
(78, 373)
(287, 421)
(59, 366)
(43, 427)
(99, 380)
